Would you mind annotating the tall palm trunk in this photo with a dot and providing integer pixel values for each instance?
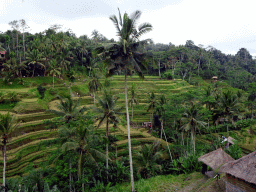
(70, 178)
(53, 81)
(107, 131)
(4, 157)
(128, 130)
(132, 111)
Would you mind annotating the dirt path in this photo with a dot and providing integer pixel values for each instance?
(194, 186)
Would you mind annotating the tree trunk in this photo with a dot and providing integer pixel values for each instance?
(159, 73)
(70, 189)
(132, 112)
(198, 66)
(24, 42)
(83, 182)
(128, 130)
(107, 132)
(4, 158)
(53, 81)
(167, 145)
(34, 71)
(161, 129)
(94, 98)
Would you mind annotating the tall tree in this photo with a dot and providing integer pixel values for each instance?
(109, 112)
(8, 124)
(124, 55)
(94, 85)
(192, 122)
(54, 70)
(133, 99)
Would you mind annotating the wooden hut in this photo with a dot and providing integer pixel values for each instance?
(240, 174)
(214, 160)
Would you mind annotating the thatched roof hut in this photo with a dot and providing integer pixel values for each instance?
(215, 158)
(243, 168)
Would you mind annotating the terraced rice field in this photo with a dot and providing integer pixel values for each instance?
(24, 146)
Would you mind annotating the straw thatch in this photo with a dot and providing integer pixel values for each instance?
(230, 140)
(215, 158)
(243, 168)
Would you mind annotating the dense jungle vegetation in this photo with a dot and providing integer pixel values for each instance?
(72, 108)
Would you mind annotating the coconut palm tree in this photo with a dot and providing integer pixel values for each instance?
(79, 139)
(227, 106)
(94, 85)
(109, 112)
(54, 70)
(68, 108)
(192, 122)
(8, 124)
(34, 58)
(151, 103)
(124, 55)
(133, 99)
(146, 159)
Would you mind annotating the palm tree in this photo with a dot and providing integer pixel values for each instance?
(151, 103)
(82, 49)
(107, 111)
(133, 99)
(94, 85)
(69, 109)
(124, 55)
(79, 139)
(34, 58)
(192, 122)
(8, 124)
(54, 70)
(146, 158)
(227, 106)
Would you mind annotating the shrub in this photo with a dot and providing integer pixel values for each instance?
(52, 91)
(1, 97)
(41, 91)
(167, 75)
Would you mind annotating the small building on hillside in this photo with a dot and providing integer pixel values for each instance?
(229, 141)
(215, 78)
(214, 160)
(240, 174)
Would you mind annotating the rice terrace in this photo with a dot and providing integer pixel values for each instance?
(91, 113)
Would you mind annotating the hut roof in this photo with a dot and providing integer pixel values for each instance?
(2, 52)
(215, 158)
(243, 168)
(231, 140)
(215, 77)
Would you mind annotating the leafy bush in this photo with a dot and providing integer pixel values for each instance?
(167, 75)
(41, 91)
(52, 91)
(234, 151)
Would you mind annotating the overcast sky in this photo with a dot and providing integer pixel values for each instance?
(227, 25)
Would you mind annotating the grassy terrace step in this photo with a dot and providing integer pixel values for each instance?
(30, 158)
(29, 137)
(20, 148)
(35, 116)
(18, 159)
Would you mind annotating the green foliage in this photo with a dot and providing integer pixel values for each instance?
(41, 91)
(234, 151)
(168, 75)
